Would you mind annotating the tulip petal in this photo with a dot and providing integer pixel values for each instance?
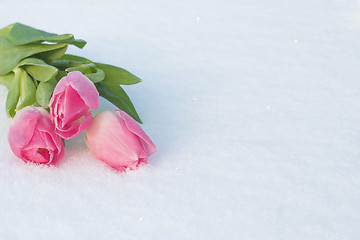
(134, 127)
(22, 129)
(32, 155)
(59, 153)
(82, 85)
(70, 110)
(75, 128)
(37, 150)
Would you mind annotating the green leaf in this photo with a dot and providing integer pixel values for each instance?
(74, 58)
(90, 71)
(68, 60)
(52, 54)
(118, 75)
(113, 74)
(13, 94)
(11, 55)
(38, 69)
(84, 68)
(5, 31)
(96, 76)
(19, 34)
(27, 90)
(116, 95)
(44, 92)
(7, 79)
(60, 75)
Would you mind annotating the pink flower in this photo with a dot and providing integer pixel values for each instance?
(116, 139)
(71, 103)
(32, 138)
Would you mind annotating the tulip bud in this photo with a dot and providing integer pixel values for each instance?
(32, 137)
(73, 99)
(116, 139)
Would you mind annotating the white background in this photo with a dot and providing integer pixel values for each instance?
(254, 107)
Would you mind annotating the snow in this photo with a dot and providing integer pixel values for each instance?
(254, 107)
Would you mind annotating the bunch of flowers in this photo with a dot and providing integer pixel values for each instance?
(51, 97)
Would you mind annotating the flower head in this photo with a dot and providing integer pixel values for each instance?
(74, 97)
(32, 137)
(116, 139)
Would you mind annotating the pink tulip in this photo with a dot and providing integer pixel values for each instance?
(71, 103)
(116, 139)
(32, 137)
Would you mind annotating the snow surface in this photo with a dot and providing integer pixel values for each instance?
(254, 107)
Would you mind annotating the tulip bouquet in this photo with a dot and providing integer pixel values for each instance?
(51, 97)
